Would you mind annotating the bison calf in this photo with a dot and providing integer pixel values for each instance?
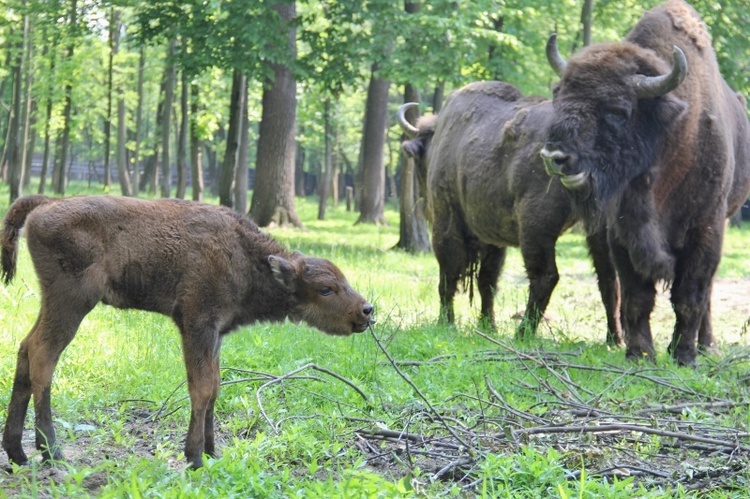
(208, 268)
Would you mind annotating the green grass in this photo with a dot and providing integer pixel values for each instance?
(121, 412)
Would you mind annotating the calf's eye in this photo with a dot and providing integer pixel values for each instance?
(325, 291)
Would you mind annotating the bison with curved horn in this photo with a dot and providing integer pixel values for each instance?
(651, 142)
(486, 189)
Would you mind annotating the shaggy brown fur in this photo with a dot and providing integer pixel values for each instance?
(487, 190)
(208, 268)
(663, 172)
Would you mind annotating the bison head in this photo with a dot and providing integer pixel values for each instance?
(321, 295)
(612, 107)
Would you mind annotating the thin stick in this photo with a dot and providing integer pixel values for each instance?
(292, 374)
(416, 389)
(609, 428)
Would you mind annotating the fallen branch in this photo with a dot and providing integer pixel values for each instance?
(416, 389)
(614, 428)
(292, 374)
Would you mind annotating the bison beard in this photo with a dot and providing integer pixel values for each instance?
(208, 268)
(658, 154)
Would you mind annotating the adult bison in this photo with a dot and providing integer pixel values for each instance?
(486, 189)
(206, 267)
(649, 140)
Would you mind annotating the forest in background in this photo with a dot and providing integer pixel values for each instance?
(177, 97)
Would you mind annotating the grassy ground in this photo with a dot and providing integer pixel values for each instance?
(457, 412)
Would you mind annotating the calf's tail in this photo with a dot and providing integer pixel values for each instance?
(14, 221)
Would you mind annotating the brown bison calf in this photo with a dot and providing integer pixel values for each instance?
(208, 268)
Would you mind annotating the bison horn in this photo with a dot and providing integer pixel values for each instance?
(553, 55)
(647, 87)
(409, 129)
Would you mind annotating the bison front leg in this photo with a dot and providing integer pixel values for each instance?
(609, 286)
(201, 351)
(493, 259)
(638, 298)
(541, 269)
(452, 254)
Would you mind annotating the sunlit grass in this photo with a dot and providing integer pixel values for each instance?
(126, 365)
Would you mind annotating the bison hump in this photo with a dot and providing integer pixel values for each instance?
(499, 89)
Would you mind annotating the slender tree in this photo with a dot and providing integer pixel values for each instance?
(196, 146)
(59, 175)
(13, 154)
(182, 137)
(372, 166)
(273, 196)
(229, 165)
(170, 79)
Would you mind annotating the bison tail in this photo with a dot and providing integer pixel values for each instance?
(14, 221)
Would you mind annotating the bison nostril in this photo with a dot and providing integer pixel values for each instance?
(368, 309)
(556, 161)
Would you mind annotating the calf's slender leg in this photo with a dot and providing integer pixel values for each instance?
(201, 352)
(38, 355)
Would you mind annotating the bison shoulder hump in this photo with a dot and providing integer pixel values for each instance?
(499, 89)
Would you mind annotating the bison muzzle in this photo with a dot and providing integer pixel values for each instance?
(208, 268)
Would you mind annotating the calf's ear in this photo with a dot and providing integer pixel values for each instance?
(284, 271)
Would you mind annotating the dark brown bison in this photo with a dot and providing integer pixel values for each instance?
(206, 267)
(486, 189)
(650, 141)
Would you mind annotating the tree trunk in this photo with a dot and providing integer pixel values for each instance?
(229, 165)
(29, 134)
(414, 236)
(240, 174)
(372, 192)
(182, 139)
(47, 122)
(324, 186)
(13, 154)
(196, 147)
(273, 196)
(138, 122)
(299, 166)
(335, 169)
(114, 40)
(59, 175)
(122, 129)
(587, 20)
(438, 97)
(170, 77)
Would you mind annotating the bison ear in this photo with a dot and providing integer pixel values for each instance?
(413, 148)
(669, 109)
(284, 271)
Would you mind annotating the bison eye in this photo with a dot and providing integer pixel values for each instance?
(325, 291)
(617, 116)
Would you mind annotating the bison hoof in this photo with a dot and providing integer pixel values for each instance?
(684, 358)
(636, 354)
(16, 457)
